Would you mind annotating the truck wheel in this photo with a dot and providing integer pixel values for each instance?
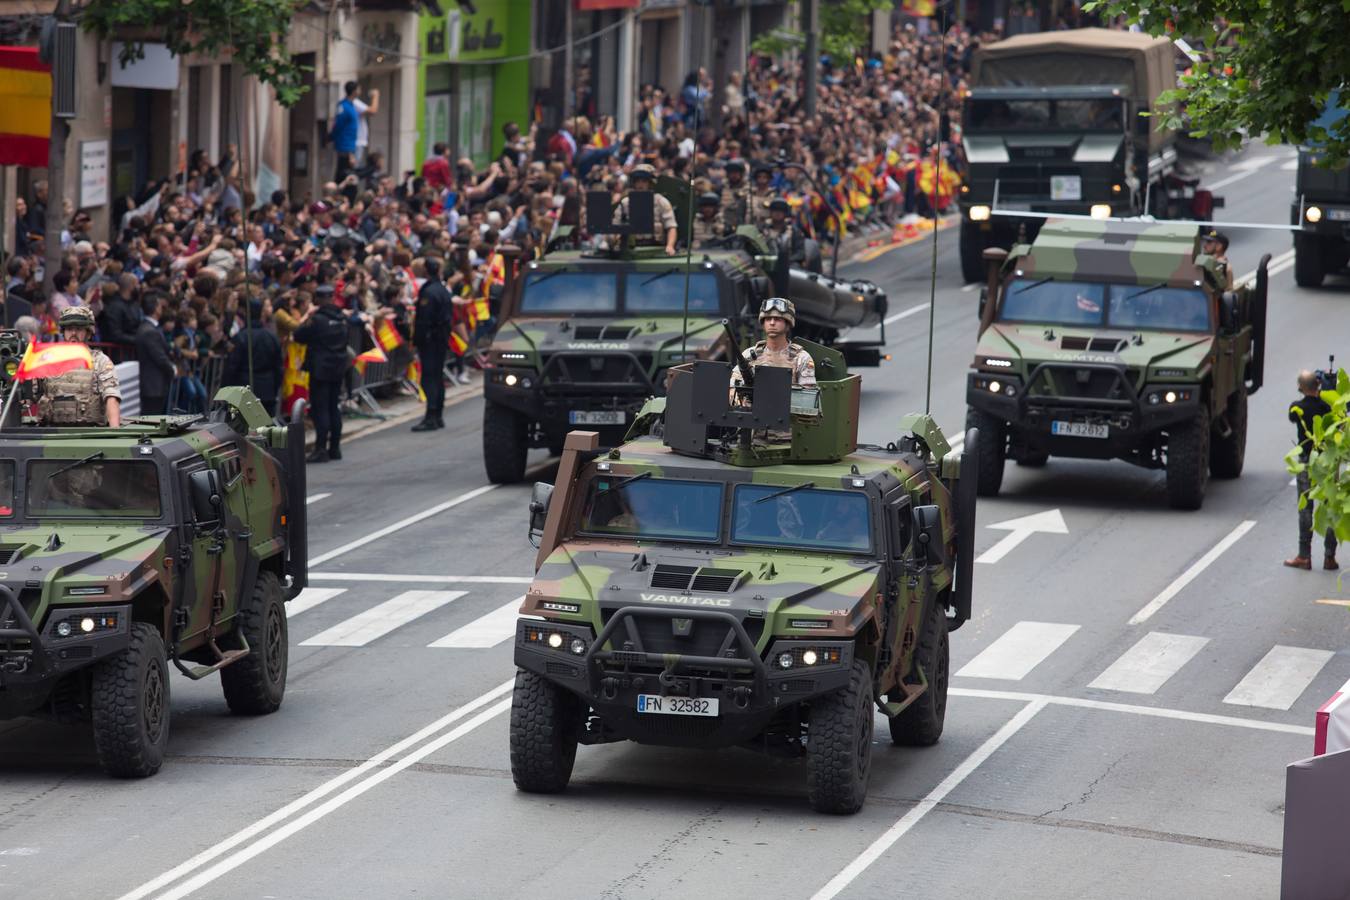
(972, 253)
(993, 450)
(505, 444)
(1226, 454)
(129, 702)
(1308, 268)
(839, 745)
(920, 723)
(1188, 462)
(545, 722)
(255, 684)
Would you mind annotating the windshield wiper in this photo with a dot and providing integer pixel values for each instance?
(623, 482)
(547, 275)
(76, 464)
(1142, 291)
(795, 487)
(657, 277)
(1034, 285)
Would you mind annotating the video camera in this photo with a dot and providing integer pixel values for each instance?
(1326, 378)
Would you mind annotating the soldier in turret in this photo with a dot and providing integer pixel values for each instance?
(81, 396)
(664, 230)
(708, 224)
(735, 196)
(782, 230)
(777, 316)
(761, 195)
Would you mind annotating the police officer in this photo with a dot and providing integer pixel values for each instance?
(777, 316)
(431, 335)
(781, 228)
(81, 396)
(1309, 406)
(708, 224)
(325, 331)
(664, 230)
(1215, 244)
(761, 195)
(735, 196)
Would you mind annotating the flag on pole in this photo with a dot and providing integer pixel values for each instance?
(295, 380)
(25, 107)
(50, 360)
(414, 375)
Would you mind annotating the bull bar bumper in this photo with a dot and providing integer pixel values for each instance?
(30, 657)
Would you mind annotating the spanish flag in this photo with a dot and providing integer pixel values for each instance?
(295, 380)
(50, 360)
(387, 336)
(414, 374)
(25, 108)
(373, 355)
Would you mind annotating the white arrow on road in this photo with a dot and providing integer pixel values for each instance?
(1050, 522)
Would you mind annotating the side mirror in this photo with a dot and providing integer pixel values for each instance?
(204, 487)
(1228, 311)
(984, 301)
(539, 499)
(928, 534)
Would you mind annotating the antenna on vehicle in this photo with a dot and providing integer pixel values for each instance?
(937, 182)
(691, 202)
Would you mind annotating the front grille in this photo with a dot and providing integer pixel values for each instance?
(717, 580)
(605, 332)
(703, 638)
(1083, 384)
(1030, 179)
(1093, 345)
(684, 578)
(672, 578)
(563, 372)
(557, 668)
(673, 727)
(799, 685)
(9, 553)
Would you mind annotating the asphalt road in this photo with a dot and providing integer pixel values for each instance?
(1124, 702)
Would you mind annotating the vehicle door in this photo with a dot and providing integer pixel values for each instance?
(901, 598)
(1226, 347)
(211, 583)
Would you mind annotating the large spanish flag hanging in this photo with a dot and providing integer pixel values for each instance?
(50, 360)
(25, 107)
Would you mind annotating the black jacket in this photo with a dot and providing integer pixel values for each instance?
(325, 337)
(267, 363)
(152, 350)
(119, 322)
(435, 312)
(1302, 413)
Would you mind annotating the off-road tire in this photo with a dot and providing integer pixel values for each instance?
(1188, 462)
(839, 745)
(920, 723)
(505, 443)
(545, 723)
(256, 684)
(1309, 262)
(993, 451)
(1227, 454)
(972, 253)
(129, 703)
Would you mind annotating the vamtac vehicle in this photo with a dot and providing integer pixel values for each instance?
(172, 539)
(586, 336)
(1322, 211)
(749, 577)
(1106, 340)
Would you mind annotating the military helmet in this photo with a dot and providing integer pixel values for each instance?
(778, 204)
(736, 165)
(76, 317)
(779, 307)
(763, 168)
(709, 198)
(642, 170)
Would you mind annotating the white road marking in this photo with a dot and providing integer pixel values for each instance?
(1244, 168)
(1147, 665)
(378, 621)
(420, 579)
(310, 598)
(1049, 522)
(1018, 650)
(485, 631)
(905, 314)
(1290, 165)
(860, 863)
(1279, 678)
(401, 524)
(374, 763)
(1274, 261)
(1192, 573)
(315, 498)
(967, 288)
(1283, 265)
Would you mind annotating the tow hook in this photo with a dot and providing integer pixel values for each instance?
(609, 688)
(742, 697)
(667, 677)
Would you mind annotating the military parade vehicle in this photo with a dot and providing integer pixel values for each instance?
(586, 336)
(1058, 123)
(1322, 211)
(171, 539)
(1106, 340)
(741, 574)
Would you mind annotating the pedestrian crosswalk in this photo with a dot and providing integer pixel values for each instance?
(1279, 678)
(378, 621)
(486, 631)
(1147, 665)
(1019, 650)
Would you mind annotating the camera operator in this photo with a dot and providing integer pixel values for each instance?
(1308, 407)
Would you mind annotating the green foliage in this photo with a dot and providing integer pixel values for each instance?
(844, 27)
(253, 32)
(1329, 484)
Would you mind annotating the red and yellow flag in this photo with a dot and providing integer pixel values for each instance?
(295, 380)
(373, 355)
(414, 374)
(50, 360)
(387, 336)
(25, 107)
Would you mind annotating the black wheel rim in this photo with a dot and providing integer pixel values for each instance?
(274, 643)
(152, 702)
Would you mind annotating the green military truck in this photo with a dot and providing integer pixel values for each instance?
(1105, 340)
(1321, 214)
(1057, 123)
(586, 336)
(742, 574)
(172, 539)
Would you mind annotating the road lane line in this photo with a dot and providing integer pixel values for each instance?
(1017, 651)
(1272, 271)
(1274, 261)
(1279, 678)
(315, 498)
(1192, 573)
(1289, 165)
(1147, 665)
(420, 579)
(967, 288)
(314, 796)
(850, 872)
(401, 524)
(380, 620)
(485, 631)
(1247, 167)
(905, 314)
(310, 598)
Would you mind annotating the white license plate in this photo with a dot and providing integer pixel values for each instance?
(1079, 429)
(676, 706)
(597, 417)
(1339, 215)
(1066, 187)
(1015, 207)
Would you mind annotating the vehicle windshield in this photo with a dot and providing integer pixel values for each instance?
(93, 488)
(6, 487)
(1101, 114)
(1131, 307)
(570, 292)
(651, 292)
(810, 518)
(654, 508)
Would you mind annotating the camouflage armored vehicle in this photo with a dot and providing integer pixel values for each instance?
(745, 575)
(1106, 340)
(587, 336)
(1322, 208)
(172, 539)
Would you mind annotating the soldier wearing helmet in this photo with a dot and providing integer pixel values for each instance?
(708, 224)
(81, 396)
(777, 315)
(735, 196)
(784, 231)
(761, 195)
(664, 230)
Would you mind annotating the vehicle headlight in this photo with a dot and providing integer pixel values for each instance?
(63, 628)
(578, 646)
(998, 362)
(513, 356)
(979, 213)
(995, 387)
(809, 657)
(1313, 214)
(87, 625)
(785, 660)
(510, 379)
(1100, 211)
(1170, 396)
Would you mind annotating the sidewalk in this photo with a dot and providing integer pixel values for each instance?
(399, 410)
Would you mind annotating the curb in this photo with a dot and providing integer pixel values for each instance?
(867, 254)
(400, 415)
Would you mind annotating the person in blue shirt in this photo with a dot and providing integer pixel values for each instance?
(350, 132)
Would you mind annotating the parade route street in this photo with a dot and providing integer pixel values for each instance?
(1123, 704)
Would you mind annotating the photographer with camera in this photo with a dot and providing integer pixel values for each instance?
(1308, 407)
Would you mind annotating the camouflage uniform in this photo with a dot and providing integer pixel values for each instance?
(793, 356)
(663, 218)
(707, 229)
(79, 397)
(758, 210)
(735, 205)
